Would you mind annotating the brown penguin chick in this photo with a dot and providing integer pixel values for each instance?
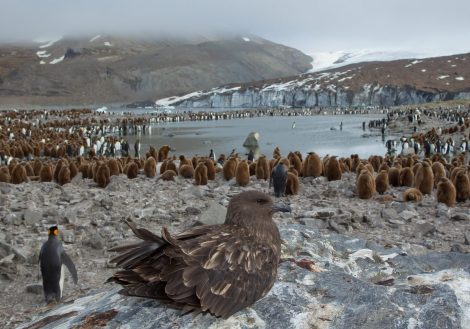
(276, 152)
(163, 167)
(5, 175)
(407, 178)
(64, 175)
(375, 161)
(370, 168)
(355, 161)
(343, 166)
(210, 168)
(58, 167)
(262, 168)
(73, 169)
(219, 269)
(229, 169)
(462, 186)
(424, 179)
(438, 171)
(412, 194)
(170, 165)
(84, 170)
(37, 165)
(292, 186)
(195, 161)
(102, 175)
(168, 175)
(416, 167)
(46, 174)
(153, 153)
(187, 170)
(295, 161)
(333, 169)
(150, 167)
(242, 175)
(348, 163)
(365, 185)
(446, 192)
(29, 170)
(18, 175)
(163, 152)
(184, 161)
(384, 166)
(132, 170)
(253, 169)
(200, 174)
(381, 182)
(312, 165)
(294, 171)
(453, 172)
(113, 166)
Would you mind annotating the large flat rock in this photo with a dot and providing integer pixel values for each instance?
(324, 281)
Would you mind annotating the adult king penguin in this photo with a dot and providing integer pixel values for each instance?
(52, 259)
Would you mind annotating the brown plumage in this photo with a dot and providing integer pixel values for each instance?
(413, 194)
(18, 175)
(394, 176)
(424, 179)
(312, 165)
(220, 269)
(163, 166)
(462, 186)
(102, 175)
(46, 174)
(37, 165)
(132, 170)
(230, 166)
(333, 169)
(5, 175)
(113, 166)
(64, 175)
(365, 185)
(295, 161)
(29, 170)
(262, 168)
(242, 175)
(446, 192)
(200, 174)
(150, 167)
(438, 171)
(210, 168)
(187, 170)
(253, 169)
(407, 178)
(168, 175)
(170, 165)
(292, 186)
(381, 182)
(163, 152)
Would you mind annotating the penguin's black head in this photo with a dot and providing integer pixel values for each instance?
(53, 231)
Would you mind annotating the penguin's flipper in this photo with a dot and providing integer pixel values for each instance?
(70, 266)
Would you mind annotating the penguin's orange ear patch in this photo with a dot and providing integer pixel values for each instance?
(55, 232)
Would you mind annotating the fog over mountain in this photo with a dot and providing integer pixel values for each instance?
(311, 26)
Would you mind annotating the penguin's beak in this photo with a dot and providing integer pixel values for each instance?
(282, 207)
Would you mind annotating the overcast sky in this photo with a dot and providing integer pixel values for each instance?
(309, 25)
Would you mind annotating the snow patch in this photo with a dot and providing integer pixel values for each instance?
(50, 43)
(246, 39)
(103, 109)
(42, 62)
(443, 77)
(42, 54)
(453, 65)
(423, 70)
(95, 37)
(460, 78)
(107, 44)
(57, 60)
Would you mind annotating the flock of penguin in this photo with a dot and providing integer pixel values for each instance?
(36, 149)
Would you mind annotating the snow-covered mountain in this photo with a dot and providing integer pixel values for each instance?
(329, 60)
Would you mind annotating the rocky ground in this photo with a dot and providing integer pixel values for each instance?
(376, 244)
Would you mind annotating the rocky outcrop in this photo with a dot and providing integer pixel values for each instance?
(324, 281)
(364, 84)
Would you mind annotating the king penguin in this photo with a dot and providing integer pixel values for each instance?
(52, 260)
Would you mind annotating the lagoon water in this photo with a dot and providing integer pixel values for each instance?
(311, 133)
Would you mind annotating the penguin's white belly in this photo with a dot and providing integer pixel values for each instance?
(61, 280)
